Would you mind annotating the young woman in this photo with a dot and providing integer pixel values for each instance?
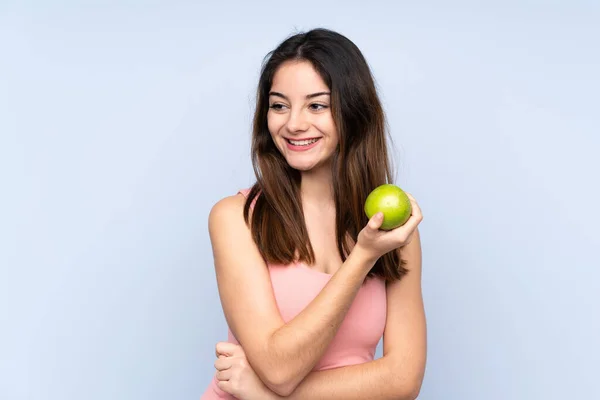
(307, 282)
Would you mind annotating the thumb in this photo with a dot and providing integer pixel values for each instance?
(226, 349)
(376, 221)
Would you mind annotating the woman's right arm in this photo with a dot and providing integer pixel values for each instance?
(281, 354)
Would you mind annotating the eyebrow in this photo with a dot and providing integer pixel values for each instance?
(310, 96)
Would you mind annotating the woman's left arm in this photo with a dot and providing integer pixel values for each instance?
(398, 374)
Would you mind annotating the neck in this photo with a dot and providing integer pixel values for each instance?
(317, 187)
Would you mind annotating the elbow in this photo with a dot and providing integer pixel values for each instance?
(283, 378)
(280, 376)
(405, 387)
(409, 390)
(412, 393)
(283, 390)
(280, 384)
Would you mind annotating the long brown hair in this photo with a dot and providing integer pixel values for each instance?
(360, 163)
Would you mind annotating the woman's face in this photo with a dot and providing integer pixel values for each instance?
(299, 117)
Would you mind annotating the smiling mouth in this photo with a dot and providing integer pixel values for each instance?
(302, 142)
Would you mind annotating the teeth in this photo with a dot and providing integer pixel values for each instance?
(302, 142)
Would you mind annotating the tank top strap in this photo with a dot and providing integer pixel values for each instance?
(245, 193)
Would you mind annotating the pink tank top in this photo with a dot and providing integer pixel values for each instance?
(295, 286)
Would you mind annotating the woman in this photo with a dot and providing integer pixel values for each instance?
(307, 282)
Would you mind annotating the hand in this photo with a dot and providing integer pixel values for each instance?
(374, 242)
(235, 375)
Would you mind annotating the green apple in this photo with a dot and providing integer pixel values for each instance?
(392, 202)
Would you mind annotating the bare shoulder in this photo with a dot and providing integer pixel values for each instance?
(226, 209)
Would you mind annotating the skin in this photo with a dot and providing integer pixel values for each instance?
(298, 117)
(276, 358)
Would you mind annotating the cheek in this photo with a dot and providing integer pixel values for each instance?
(274, 123)
(336, 135)
(273, 129)
(329, 128)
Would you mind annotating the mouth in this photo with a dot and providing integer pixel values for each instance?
(303, 142)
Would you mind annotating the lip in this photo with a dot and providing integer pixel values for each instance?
(302, 148)
(299, 139)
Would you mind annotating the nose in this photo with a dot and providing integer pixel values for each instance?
(297, 122)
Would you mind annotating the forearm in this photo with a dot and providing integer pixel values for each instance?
(297, 346)
(377, 380)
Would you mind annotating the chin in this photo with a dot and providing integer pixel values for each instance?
(305, 167)
(301, 167)
(306, 162)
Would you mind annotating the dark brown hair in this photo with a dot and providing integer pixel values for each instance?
(359, 164)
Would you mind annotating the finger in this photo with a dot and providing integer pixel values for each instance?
(223, 363)
(375, 222)
(224, 386)
(416, 210)
(224, 375)
(226, 348)
(408, 229)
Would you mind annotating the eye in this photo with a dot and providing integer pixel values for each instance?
(318, 107)
(277, 106)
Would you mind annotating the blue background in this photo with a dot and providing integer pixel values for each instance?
(123, 122)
